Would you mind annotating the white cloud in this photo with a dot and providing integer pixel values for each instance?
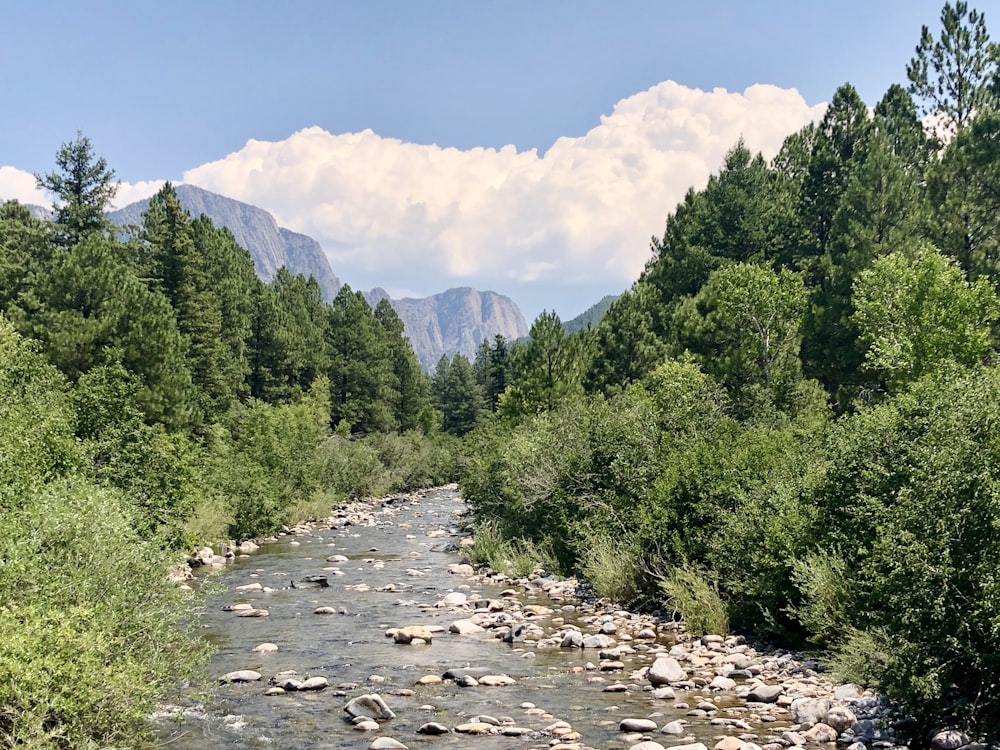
(131, 192)
(18, 185)
(581, 212)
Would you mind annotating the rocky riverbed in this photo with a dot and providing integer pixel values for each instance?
(367, 630)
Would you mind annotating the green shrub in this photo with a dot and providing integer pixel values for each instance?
(612, 567)
(696, 599)
(515, 558)
(93, 634)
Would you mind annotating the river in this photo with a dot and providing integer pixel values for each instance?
(395, 573)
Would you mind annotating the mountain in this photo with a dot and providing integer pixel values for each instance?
(454, 322)
(591, 316)
(256, 230)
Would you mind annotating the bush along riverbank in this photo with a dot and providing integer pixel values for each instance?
(866, 537)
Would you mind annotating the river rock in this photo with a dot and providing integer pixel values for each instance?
(515, 634)
(823, 733)
(721, 683)
(465, 627)
(475, 727)
(691, 746)
(949, 739)
(369, 706)
(315, 683)
(433, 728)
(598, 641)
(637, 725)
(454, 599)
(241, 675)
(729, 743)
(674, 727)
(311, 582)
(666, 670)
(460, 672)
(650, 745)
(765, 693)
(467, 680)
(840, 718)
(664, 693)
(325, 611)
(411, 632)
(252, 612)
(366, 725)
(386, 743)
(496, 680)
(810, 710)
(572, 639)
(265, 648)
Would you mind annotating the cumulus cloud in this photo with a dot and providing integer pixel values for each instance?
(581, 212)
(16, 184)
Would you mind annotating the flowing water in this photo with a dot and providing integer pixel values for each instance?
(403, 554)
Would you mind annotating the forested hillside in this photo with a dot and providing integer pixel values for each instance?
(788, 426)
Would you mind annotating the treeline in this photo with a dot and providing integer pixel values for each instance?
(789, 424)
(158, 395)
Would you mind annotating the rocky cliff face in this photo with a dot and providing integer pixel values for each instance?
(256, 230)
(455, 321)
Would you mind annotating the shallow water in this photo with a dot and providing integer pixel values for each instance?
(350, 648)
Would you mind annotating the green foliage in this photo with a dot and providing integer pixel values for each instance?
(743, 326)
(83, 187)
(954, 75)
(513, 558)
(917, 312)
(93, 632)
(457, 395)
(87, 648)
(359, 364)
(36, 424)
(908, 504)
(696, 599)
(612, 566)
(151, 466)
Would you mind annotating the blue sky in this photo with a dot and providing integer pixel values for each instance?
(177, 90)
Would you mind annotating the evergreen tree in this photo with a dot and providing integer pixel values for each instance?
(235, 285)
(179, 271)
(457, 395)
(546, 369)
(955, 75)
(83, 187)
(626, 348)
(359, 365)
(492, 367)
(408, 385)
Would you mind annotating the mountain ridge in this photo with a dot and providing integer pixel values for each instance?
(451, 322)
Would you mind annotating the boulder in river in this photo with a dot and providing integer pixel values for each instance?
(412, 632)
(241, 675)
(369, 706)
(666, 670)
(765, 693)
(311, 582)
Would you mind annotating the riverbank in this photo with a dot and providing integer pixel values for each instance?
(518, 662)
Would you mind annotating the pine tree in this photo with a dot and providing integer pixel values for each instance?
(83, 187)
